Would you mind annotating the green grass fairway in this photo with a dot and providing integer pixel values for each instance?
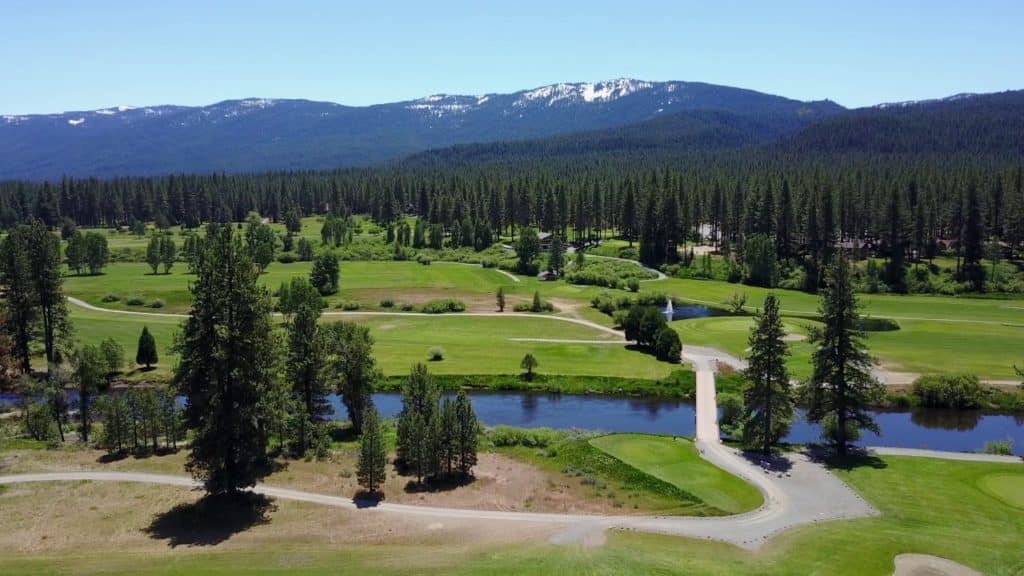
(928, 506)
(472, 345)
(677, 462)
(363, 282)
(1006, 487)
(982, 336)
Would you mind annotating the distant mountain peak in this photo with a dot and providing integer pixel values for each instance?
(251, 134)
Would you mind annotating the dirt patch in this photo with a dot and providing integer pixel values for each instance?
(70, 517)
(370, 299)
(501, 482)
(926, 565)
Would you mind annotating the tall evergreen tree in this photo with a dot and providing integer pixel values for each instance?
(20, 292)
(556, 255)
(973, 241)
(417, 423)
(90, 370)
(44, 250)
(768, 402)
(841, 388)
(466, 436)
(303, 364)
(373, 456)
(227, 359)
(146, 353)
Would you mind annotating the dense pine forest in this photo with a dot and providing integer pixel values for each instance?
(894, 187)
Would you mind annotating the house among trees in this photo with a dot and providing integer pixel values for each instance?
(545, 240)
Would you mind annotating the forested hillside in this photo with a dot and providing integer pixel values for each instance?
(258, 134)
(658, 184)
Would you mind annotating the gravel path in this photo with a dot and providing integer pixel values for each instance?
(964, 456)
(581, 322)
(796, 491)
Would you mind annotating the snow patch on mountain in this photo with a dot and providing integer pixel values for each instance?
(582, 92)
(75, 121)
(908, 103)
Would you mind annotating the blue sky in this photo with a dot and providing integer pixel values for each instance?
(75, 55)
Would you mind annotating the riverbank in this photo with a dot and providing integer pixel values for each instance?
(679, 385)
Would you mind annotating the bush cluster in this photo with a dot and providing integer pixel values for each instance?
(442, 306)
(942, 391)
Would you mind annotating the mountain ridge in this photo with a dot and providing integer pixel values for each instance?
(259, 134)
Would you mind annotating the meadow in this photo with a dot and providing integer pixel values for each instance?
(471, 345)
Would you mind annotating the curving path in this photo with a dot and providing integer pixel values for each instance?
(799, 493)
(85, 305)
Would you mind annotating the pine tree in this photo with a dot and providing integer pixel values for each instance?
(153, 254)
(500, 298)
(417, 423)
(168, 253)
(44, 252)
(841, 387)
(146, 354)
(973, 238)
(373, 457)
(767, 398)
(90, 369)
(628, 219)
(226, 362)
(303, 363)
(556, 255)
(466, 437)
(22, 315)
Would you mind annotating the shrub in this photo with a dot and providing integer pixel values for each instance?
(135, 301)
(407, 307)
(349, 305)
(489, 263)
(667, 345)
(604, 303)
(941, 391)
(424, 259)
(633, 284)
(878, 325)
(287, 258)
(731, 406)
(507, 436)
(158, 303)
(1000, 447)
(387, 303)
(522, 307)
(111, 298)
(436, 354)
(442, 306)
(736, 302)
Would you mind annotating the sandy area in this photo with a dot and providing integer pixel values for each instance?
(925, 565)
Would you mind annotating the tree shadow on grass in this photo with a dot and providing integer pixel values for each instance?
(443, 484)
(211, 519)
(854, 458)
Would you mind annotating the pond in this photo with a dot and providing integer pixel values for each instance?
(691, 311)
(952, 430)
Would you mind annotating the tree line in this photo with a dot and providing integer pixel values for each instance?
(896, 207)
